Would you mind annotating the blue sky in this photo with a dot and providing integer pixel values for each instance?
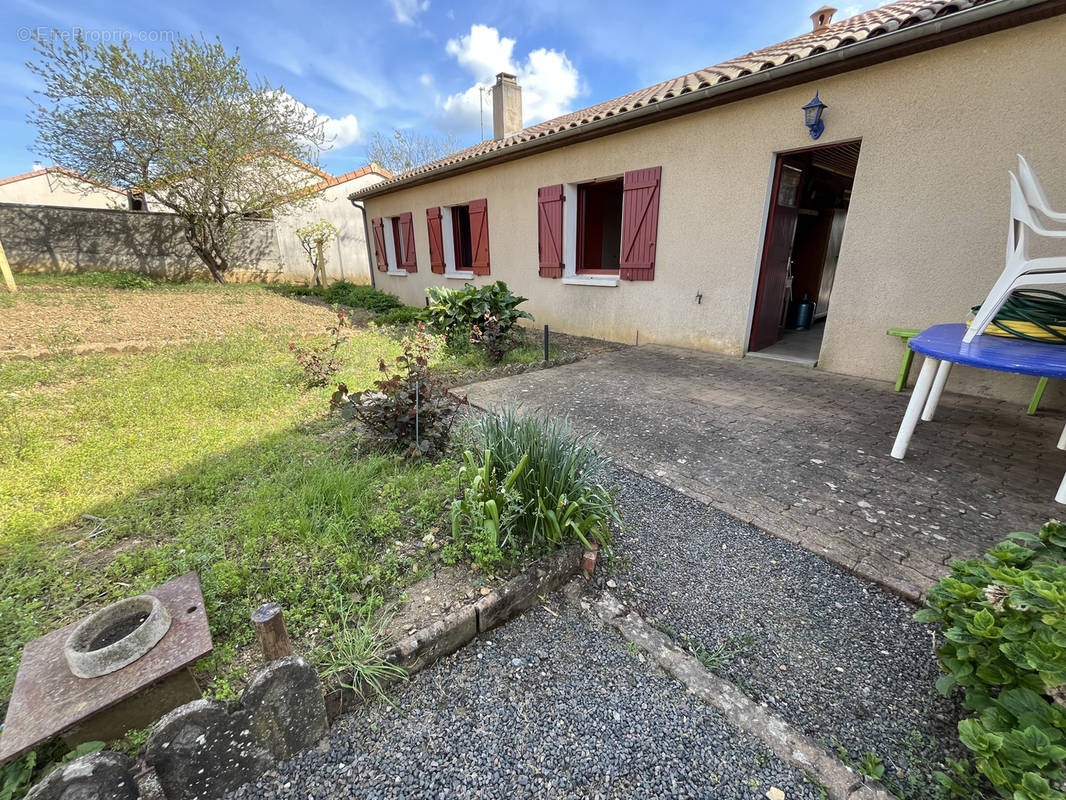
(372, 65)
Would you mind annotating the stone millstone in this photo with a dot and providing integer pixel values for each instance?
(100, 776)
(116, 636)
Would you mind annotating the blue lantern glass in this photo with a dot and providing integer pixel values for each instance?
(812, 116)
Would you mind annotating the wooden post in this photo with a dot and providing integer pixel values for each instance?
(270, 631)
(5, 268)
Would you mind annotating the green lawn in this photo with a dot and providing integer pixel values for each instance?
(213, 457)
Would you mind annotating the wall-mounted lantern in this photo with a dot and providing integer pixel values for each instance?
(812, 116)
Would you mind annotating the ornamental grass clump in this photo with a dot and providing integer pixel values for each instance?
(1003, 618)
(530, 484)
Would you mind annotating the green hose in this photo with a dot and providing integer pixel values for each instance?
(1040, 307)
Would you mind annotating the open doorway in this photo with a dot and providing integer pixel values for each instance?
(809, 202)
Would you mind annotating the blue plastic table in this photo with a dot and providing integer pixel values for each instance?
(942, 346)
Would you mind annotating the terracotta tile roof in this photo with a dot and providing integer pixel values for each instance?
(373, 168)
(60, 171)
(854, 29)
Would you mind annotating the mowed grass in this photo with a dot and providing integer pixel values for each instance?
(118, 473)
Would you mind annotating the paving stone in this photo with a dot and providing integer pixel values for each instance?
(740, 435)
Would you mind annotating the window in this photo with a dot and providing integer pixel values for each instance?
(599, 227)
(394, 244)
(463, 255)
(459, 239)
(599, 232)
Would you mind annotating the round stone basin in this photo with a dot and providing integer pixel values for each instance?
(116, 636)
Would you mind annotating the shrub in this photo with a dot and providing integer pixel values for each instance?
(531, 485)
(320, 363)
(355, 295)
(453, 313)
(408, 409)
(490, 333)
(398, 316)
(1003, 618)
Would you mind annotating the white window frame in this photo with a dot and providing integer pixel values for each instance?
(570, 276)
(448, 245)
(389, 226)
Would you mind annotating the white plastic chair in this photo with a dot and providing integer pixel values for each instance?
(1020, 269)
(1034, 192)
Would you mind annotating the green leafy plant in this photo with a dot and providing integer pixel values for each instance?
(959, 782)
(59, 342)
(1003, 618)
(320, 363)
(356, 650)
(551, 481)
(488, 507)
(404, 315)
(353, 295)
(18, 775)
(453, 313)
(408, 409)
(871, 766)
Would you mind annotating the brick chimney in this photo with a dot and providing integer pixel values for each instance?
(822, 18)
(506, 106)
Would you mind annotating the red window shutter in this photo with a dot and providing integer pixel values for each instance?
(408, 259)
(550, 230)
(436, 240)
(640, 223)
(479, 236)
(379, 243)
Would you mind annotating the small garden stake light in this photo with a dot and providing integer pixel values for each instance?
(812, 116)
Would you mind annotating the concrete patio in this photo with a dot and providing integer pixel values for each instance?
(803, 454)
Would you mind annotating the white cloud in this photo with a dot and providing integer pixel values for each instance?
(340, 131)
(407, 10)
(549, 80)
(549, 84)
(425, 79)
(483, 52)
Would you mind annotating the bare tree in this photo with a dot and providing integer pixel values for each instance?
(189, 128)
(404, 150)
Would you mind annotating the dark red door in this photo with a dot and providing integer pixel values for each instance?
(777, 252)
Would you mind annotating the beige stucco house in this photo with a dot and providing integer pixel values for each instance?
(55, 186)
(700, 212)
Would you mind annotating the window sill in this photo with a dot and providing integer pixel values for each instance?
(589, 280)
(400, 273)
(459, 276)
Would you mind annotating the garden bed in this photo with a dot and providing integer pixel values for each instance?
(120, 471)
(58, 314)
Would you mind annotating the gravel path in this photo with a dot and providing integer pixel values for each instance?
(546, 707)
(836, 656)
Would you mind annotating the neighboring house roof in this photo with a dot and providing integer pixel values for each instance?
(373, 168)
(370, 169)
(60, 171)
(889, 22)
(291, 159)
